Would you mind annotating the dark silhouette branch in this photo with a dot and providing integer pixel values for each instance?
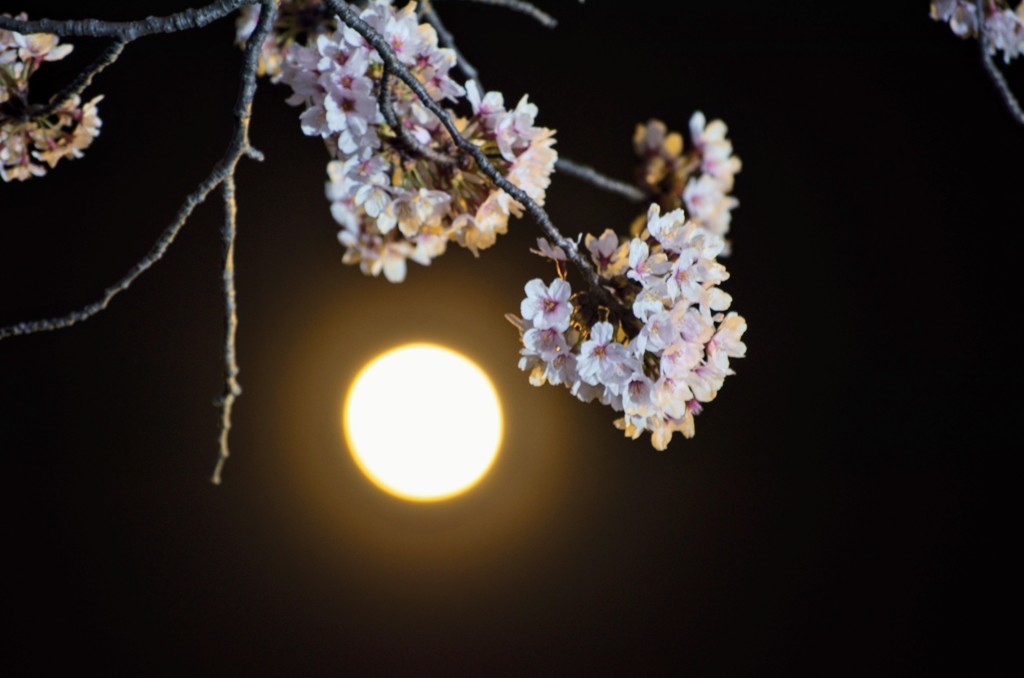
(993, 71)
(598, 180)
(222, 175)
(128, 30)
(83, 80)
(527, 8)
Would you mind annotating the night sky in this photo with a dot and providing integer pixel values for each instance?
(845, 508)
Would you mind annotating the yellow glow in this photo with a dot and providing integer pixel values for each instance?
(423, 422)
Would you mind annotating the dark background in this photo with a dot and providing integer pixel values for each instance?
(845, 509)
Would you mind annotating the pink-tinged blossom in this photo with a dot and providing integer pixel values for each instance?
(610, 258)
(645, 267)
(515, 130)
(547, 343)
(716, 158)
(658, 371)
(549, 251)
(547, 306)
(601, 357)
(37, 47)
(665, 228)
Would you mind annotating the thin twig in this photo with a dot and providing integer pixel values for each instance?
(83, 80)
(128, 30)
(350, 17)
(154, 255)
(595, 178)
(448, 40)
(527, 8)
(239, 146)
(231, 387)
(993, 71)
(404, 136)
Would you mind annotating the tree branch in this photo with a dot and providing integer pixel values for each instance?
(406, 139)
(595, 178)
(223, 173)
(350, 17)
(83, 80)
(993, 71)
(527, 8)
(231, 387)
(239, 146)
(128, 30)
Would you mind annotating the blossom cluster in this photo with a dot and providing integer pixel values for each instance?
(1003, 27)
(30, 139)
(699, 180)
(395, 201)
(665, 354)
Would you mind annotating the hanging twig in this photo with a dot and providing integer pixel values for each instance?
(232, 389)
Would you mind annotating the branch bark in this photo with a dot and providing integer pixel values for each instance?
(128, 30)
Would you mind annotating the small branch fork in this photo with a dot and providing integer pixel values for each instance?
(993, 71)
(222, 175)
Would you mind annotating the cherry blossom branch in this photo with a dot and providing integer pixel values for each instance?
(993, 71)
(128, 30)
(527, 8)
(351, 18)
(403, 134)
(595, 178)
(570, 167)
(83, 80)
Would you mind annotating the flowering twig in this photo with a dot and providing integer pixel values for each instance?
(83, 80)
(407, 139)
(351, 18)
(527, 8)
(993, 71)
(570, 167)
(595, 178)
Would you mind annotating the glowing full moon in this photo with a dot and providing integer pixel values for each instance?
(423, 422)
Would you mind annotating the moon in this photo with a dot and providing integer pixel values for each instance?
(423, 422)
